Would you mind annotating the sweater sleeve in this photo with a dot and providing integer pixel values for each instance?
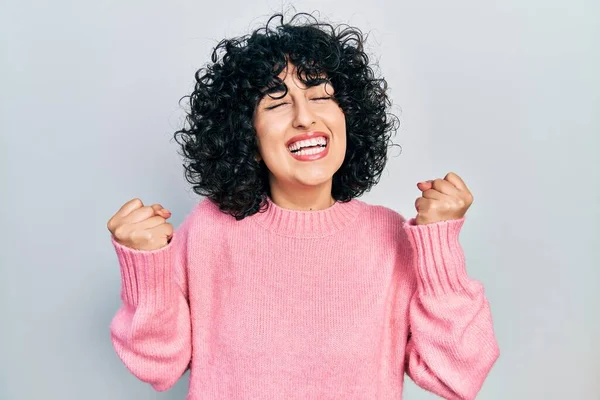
(451, 346)
(151, 331)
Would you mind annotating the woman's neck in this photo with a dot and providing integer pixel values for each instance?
(312, 199)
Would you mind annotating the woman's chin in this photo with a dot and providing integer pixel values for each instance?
(314, 180)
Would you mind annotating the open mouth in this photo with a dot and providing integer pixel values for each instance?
(309, 146)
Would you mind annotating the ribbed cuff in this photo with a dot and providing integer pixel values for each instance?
(439, 257)
(146, 276)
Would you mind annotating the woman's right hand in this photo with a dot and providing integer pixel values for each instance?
(141, 227)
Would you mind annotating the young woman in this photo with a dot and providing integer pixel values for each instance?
(280, 283)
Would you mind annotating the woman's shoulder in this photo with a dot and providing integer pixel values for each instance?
(383, 221)
(206, 212)
(379, 211)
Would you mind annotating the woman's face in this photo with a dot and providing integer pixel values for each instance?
(302, 136)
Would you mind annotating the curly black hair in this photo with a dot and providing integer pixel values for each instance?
(220, 145)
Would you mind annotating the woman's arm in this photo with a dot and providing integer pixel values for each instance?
(452, 346)
(151, 331)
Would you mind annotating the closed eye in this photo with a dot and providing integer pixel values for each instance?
(281, 104)
(274, 106)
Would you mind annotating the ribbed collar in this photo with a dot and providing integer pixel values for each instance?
(308, 224)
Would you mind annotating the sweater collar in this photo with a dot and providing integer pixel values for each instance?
(308, 224)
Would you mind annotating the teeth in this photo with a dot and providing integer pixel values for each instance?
(307, 152)
(320, 141)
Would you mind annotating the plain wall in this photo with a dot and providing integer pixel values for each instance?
(507, 95)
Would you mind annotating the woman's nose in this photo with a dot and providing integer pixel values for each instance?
(303, 115)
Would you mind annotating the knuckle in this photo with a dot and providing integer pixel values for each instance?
(137, 202)
(141, 237)
(120, 232)
(147, 235)
(149, 210)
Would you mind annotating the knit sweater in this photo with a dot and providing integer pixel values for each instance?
(337, 303)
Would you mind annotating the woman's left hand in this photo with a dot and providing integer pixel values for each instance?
(442, 199)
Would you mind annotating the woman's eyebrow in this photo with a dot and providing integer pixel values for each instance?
(275, 92)
(317, 82)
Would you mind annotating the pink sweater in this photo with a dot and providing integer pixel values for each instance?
(329, 304)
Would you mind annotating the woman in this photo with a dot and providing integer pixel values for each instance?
(281, 284)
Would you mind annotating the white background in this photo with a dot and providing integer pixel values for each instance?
(507, 95)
